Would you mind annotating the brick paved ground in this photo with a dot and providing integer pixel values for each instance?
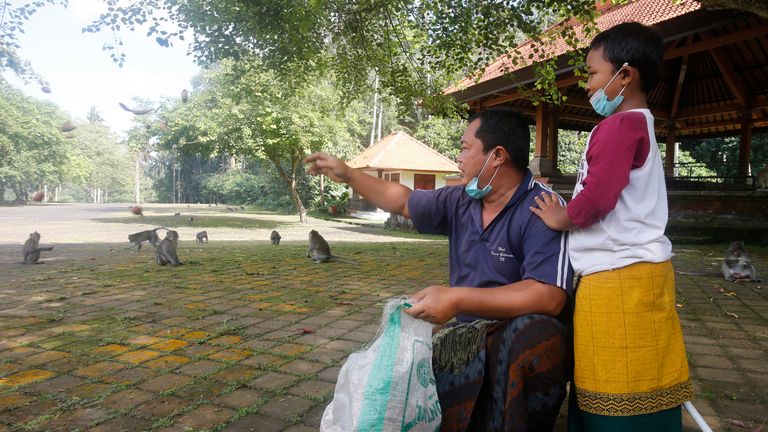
(102, 339)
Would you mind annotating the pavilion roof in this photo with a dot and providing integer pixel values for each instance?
(400, 151)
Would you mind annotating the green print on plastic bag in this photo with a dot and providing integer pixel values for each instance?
(380, 379)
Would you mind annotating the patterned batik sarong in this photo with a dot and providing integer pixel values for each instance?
(628, 345)
(514, 383)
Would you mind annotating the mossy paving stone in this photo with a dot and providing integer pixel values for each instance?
(129, 376)
(238, 373)
(78, 418)
(160, 407)
(242, 397)
(14, 400)
(274, 381)
(201, 367)
(90, 391)
(202, 390)
(126, 399)
(30, 411)
(315, 390)
(287, 407)
(165, 382)
(123, 423)
(204, 417)
(256, 423)
(302, 367)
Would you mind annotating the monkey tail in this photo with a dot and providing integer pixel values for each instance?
(348, 261)
(47, 248)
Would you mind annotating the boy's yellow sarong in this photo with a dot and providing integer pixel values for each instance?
(628, 345)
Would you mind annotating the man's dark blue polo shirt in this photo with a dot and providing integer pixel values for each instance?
(515, 246)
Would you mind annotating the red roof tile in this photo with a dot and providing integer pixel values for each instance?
(646, 12)
(401, 151)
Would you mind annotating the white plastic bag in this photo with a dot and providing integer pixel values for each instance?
(389, 385)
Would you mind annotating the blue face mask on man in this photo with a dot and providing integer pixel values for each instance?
(600, 102)
(471, 187)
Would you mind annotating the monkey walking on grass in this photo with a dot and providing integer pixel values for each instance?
(145, 236)
(32, 249)
(166, 251)
(202, 235)
(319, 251)
(275, 238)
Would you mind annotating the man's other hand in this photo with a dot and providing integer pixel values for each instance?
(435, 304)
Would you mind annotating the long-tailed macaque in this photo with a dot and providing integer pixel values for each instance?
(202, 235)
(32, 249)
(275, 238)
(191, 219)
(144, 236)
(166, 251)
(737, 265)
(137, 111)
(319, 251)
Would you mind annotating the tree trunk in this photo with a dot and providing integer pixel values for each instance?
(375, 102)
(290, 180)
(322, 191)
(137, 179)
(45, 192)
(56, 192)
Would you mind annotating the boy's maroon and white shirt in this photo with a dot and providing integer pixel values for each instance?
(620, 199)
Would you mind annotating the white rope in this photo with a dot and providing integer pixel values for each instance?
(697, 417)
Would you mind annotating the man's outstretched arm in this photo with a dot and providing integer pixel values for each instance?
(386, 195)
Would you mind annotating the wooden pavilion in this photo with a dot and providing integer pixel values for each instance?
(714, 81)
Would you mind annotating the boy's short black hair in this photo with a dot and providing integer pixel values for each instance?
(507, 128)
(640, 46)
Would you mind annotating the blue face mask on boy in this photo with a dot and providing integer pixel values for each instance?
(600, 102)
(471, 187)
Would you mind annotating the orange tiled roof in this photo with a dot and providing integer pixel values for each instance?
(401, 151)
(646, 12)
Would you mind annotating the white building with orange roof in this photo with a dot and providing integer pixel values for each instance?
(401, 158)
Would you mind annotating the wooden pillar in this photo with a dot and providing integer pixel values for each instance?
(552, 141)
(541, 165)
(670, 155)
(745, 143)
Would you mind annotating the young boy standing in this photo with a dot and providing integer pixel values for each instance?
(631, 371)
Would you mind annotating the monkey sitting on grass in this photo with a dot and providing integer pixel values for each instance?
(166, 251)
(202, 235)
(32, 249)
(319, 251)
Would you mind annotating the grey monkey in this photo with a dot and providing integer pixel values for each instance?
(145, 236)
(319, 251)
(166, 251)
(275, 238)
(191, 219)
(32, 249)
(202, 235)
(737, 265)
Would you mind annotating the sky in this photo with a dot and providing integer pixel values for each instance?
(81, 74)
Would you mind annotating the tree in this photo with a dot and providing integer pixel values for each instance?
(33, 151)
(244, 110)
(416, 47)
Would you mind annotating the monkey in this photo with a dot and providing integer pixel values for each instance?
(202, 235)
(32, 249)
(319, 251)
(166, 251)
(137, 211)
(140, 237)
(191, 219)
(737, 265)
(762, 178)
(230, 209)
(242, 207)
(177, 214)
(275, 238)
(39, 196)
(137, 111)
(45, 88)
(184, 96)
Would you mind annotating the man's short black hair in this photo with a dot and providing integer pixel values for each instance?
(507, 128)
(640, 46)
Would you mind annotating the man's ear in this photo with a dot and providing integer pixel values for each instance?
(500, 156)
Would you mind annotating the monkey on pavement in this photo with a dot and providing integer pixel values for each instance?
(202, 235)
(166, 251)
(32, 249)
(319, 251)
(737, 265)
(275, 238)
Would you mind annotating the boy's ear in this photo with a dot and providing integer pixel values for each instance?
(629, 74)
